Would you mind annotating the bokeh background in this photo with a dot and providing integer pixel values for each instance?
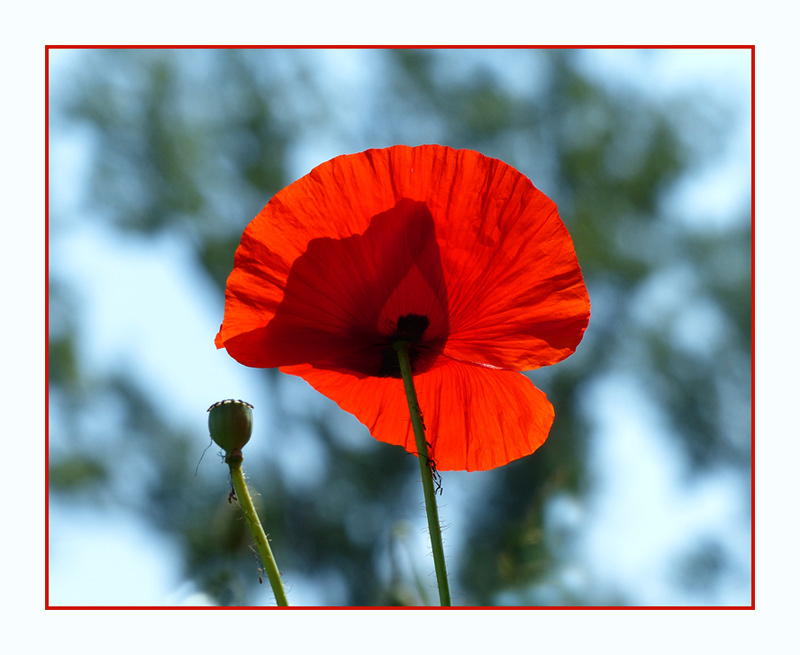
(641, 495)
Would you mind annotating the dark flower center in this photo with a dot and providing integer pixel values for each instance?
(410, 328)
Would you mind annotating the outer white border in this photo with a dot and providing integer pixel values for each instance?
(420, 23)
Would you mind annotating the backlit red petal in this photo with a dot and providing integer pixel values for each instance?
(476, 418)
(344, 296)
(505, 263)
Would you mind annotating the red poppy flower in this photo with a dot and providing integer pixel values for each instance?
(454, 252)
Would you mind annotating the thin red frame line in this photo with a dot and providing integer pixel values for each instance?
(408, 608)
(626, 47)
(47, 329)
(390, 46)
(752, 327)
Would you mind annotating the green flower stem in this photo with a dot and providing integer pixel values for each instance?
(425, 467)
(234, 460)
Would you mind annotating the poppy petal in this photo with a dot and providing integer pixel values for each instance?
(476, 418)
(515, 289)
(337, 199)
(344, 297)
(516, 294)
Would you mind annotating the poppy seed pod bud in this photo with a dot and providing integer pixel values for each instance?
(230, 423)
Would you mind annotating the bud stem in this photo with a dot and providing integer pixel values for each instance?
(234, 460)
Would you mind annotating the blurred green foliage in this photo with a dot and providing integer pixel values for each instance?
(195, 142)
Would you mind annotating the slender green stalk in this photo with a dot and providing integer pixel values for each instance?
(234, 460)
(425, 467)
